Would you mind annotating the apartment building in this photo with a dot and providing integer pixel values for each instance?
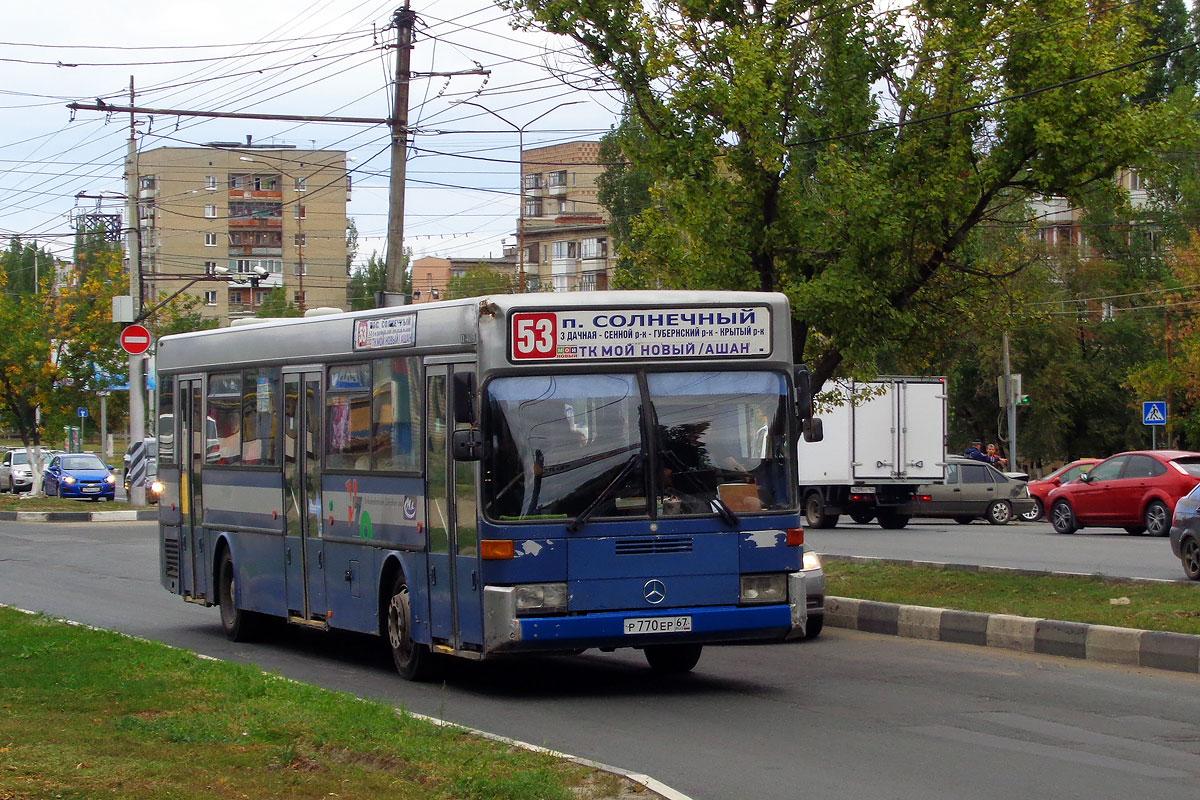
(1057, 221)
(244, 219)
(562, 231)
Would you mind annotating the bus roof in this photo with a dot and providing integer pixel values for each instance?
(447, 326)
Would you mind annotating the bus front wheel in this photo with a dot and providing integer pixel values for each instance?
(673, 658)
(413, 660)
(239, 625)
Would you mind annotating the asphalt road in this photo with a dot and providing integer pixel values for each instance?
(1108, 551)
(850, 715)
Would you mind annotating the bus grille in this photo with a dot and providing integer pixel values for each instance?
(171, 557)
(643, 547)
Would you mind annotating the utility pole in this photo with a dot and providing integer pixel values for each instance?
(133, 252)
(1010, 407)
(404, 20)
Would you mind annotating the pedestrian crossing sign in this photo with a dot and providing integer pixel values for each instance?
(1154, 412)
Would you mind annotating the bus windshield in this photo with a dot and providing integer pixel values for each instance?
(626, 445)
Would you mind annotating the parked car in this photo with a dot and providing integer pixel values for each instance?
(973, 490)
(79, 475)
(1039, 489)
(1185, 533)
(1136, 491)
(16, 471)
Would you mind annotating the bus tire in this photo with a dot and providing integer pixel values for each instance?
(413, 660)
(814, 626)
(673, 659)
(239, 625)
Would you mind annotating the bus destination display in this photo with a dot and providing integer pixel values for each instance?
(640, 333)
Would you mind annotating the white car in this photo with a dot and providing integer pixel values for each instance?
(16, 473)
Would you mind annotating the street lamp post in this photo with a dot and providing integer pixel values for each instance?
(520, 129)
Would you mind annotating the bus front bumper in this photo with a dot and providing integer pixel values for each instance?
(505, 632)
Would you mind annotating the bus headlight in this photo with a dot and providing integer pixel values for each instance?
(535, 599)
(812, 559)
(764, 588)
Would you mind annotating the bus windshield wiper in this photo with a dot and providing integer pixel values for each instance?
(605, 493)
(719, 507)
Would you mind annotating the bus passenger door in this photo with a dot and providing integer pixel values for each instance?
(456, 611)
(194, 579)
(440, 570)
(303, 556)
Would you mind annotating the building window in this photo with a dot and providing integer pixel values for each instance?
(595, 248)
(533, 180)
(300, 269)
(562, 205)
(533, 206)
(210, 212)
(531, 253)
(299, 212)
(236, 297)
(301, 184)
(1136, 182)
(210, 182)
(566, 250)
(146, 182)
(210, 240)
(298, 298)
(210, 268)
(299, 239)
(558, 178)
(210, 298)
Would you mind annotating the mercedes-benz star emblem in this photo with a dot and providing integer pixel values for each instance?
(655, 591)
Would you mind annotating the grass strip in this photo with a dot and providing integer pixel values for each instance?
(93, 714)
(1096, 600)
(10, 502)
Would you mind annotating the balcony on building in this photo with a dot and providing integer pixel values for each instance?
(251, 186)
(558, 183)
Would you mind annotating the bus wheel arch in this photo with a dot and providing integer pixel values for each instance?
(413, 660)
(239, 624)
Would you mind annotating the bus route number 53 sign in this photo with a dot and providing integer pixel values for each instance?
(534, 336)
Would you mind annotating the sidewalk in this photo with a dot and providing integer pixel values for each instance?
(132, 515)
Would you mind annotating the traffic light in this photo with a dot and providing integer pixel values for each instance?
(1022, 399)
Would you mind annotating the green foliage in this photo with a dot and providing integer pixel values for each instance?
(276, 304)
(181, 315)
(875, 166)
(26, 266)
(370, 278)
(480, 280)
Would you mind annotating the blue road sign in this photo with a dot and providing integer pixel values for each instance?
(1154, 412)
(83, 412)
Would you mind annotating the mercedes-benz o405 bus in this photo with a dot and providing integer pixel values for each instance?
(489, 476)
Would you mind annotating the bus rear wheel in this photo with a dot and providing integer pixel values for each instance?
(413, 660)
(239, 625)
(673, 659)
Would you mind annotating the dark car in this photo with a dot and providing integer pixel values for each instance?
(1136, 491)
(1185, 533)
(973, 490)
(79, 475)
(1040, 489)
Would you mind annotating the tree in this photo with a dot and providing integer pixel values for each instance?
(351, 244)
(59, 347)
(480, 280)
(24, 265)
(371, 278)
(276, 304)
(855, 158)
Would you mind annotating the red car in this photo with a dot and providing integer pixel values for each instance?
(1038, 490)
(1136, 491)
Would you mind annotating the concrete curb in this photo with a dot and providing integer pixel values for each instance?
(134, 515)
(1173, 651)
(1129, 646)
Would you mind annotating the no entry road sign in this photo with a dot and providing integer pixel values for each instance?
(135, 340)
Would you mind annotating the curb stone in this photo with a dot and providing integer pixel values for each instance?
(1179, 652)
(138, 515)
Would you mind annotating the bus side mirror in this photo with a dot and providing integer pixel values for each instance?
(464, 398)
(465, 445)
(804, 398)
(813, 429)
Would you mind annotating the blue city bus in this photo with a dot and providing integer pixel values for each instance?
(493, 476)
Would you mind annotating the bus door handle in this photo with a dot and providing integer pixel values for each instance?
(433, 575)
(321, 559)
(474, 581)
(289, 555)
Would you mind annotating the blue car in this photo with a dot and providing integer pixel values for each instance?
(80, 475)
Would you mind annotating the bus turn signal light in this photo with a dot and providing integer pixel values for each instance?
(795, 537)
(497, 549)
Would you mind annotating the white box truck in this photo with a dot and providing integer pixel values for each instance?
(876, 451)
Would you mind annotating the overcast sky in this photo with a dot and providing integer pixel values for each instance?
(270, 56)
